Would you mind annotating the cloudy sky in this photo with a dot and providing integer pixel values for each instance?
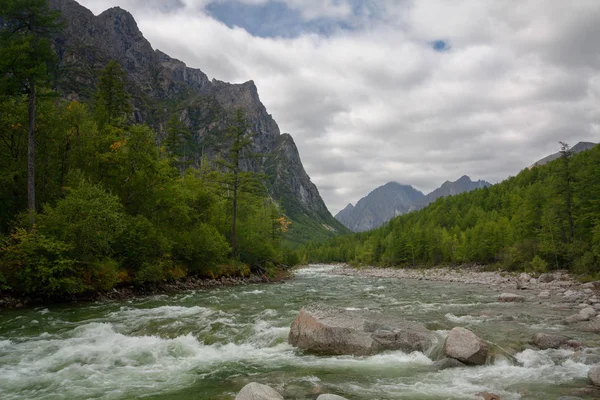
(417, 92)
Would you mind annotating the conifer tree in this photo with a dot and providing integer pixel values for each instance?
(26, 60)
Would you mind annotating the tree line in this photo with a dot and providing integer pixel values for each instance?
(545, 218)
(91, 200)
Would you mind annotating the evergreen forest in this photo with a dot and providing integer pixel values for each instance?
(545, 218)
(91, 200)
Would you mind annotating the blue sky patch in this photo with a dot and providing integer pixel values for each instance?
(440, 45)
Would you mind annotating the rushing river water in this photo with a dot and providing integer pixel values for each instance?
(209, 344)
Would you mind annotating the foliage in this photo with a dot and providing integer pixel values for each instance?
(544, 218)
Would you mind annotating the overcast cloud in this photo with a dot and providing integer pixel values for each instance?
(417, 92)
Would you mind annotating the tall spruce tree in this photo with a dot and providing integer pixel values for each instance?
(112, 99)
(26, 62)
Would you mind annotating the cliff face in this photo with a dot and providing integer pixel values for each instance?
(162, 86)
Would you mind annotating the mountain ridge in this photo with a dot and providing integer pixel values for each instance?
(393, 199)
(162, 86)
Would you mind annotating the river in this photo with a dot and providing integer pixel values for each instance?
(208, 344)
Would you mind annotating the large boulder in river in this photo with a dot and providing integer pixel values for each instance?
(331, 397)
(256, 391)
(465, 346)
(331, 330)
(594, 375)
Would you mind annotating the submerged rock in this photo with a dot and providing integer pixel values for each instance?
(331, 397)
(331, 330)
(488, 396)
(256, 391)
(465, 346)
(510, 298)
(447, 363)
(545, 341)
(594, 375)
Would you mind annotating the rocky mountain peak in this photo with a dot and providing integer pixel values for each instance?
(393, 199)
(162, 86)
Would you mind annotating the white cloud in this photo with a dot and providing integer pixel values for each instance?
(379, 104)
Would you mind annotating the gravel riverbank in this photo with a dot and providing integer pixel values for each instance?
(557, 289)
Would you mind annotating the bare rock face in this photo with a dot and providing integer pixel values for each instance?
(331, 330)
(594, 375)
(510, 298)
(545, 341)
(256, 391)
(465, 346)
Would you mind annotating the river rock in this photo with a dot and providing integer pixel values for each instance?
(584, 315)
(545, 341)
(447, 363)
(256, 391)
(546, 278)
(594, 375)
(544, 294)
(510, 298)
(331, 397)
(465, 346)
(332, 330)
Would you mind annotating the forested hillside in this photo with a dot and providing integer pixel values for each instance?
(91, 199)
(547, 217)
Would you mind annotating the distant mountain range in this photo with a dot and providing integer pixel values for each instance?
(578, 148)
(393, 199)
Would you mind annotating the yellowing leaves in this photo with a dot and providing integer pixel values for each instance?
(118, 144)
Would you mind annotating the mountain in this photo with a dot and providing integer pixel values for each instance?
(379, 206)
(162, 86)
(578, 148)
(393, 199)
(463, 184)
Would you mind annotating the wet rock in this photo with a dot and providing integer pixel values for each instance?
(331, 330)
(545, 341)
(465, 346)
(331, 397)
(544, 294)
(546, 278)
(562, 283)
(592, 326)
(584, 315)
(569, 398)
(447, 363)
(588, 356)
(256, 391)
(488, 396)
(511, 298)
(594, 375)
(588, 313)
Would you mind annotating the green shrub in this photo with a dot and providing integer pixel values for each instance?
(33, 263)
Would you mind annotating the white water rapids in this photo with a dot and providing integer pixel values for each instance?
(209, 344)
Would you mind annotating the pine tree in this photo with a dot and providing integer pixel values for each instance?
(26, 60)
(112, 99)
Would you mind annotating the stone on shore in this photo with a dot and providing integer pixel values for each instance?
(510, 298)
(332, 330)
(331, 397)
(594, 375)
(545, 341)
(546, 278)
(256, 391)
(465, 346)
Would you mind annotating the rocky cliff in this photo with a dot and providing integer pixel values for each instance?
(162, 86)
(393, 199)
